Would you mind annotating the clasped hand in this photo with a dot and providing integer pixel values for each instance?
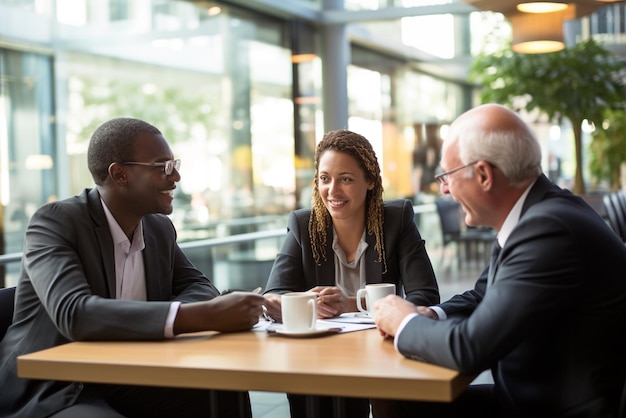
(331, 302)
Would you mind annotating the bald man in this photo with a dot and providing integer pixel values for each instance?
(547, 314)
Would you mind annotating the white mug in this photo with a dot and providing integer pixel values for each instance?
(372, 293)
(299, 310)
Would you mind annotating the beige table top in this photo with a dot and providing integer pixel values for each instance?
(357, 363)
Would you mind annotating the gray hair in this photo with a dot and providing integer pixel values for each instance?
(510, 146)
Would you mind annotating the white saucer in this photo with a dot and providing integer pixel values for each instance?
(302, 334)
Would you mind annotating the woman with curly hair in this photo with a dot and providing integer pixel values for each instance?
(349, 238)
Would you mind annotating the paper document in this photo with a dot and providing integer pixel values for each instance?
(353, 318)
(348, 322)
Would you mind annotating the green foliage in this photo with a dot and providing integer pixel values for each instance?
(608, 148)
(171, 109)
(579, 82)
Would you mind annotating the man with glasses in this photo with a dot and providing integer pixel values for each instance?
(546, 314)
(105, 265)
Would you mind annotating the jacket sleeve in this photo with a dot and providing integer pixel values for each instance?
(177, 277)
(71, 280)
(287, 274)
(536, 283)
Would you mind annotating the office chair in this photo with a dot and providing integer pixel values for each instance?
(453, 230)
(614, 217)
(7, 297)
(619, 201)
(620, 210)
(621, 197)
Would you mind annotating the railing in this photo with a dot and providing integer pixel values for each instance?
(240, 260)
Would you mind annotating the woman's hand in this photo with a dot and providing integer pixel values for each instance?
(331, 301)
(273, 306)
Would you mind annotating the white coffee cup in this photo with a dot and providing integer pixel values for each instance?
(299, 310)
(372, 293)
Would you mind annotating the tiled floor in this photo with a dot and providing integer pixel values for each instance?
(452, 279)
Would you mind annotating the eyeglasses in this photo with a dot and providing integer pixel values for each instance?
(168, 166)
(443, 177)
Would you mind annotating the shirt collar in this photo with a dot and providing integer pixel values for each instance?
(119, 237)
(513, 217)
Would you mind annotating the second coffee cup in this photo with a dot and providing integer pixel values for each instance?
(372, 293)
(299, 311)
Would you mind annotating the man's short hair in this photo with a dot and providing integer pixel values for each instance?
(114, 141)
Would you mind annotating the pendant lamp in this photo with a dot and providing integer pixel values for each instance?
(538, 25)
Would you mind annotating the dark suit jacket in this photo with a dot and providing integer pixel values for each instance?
(551, 325)
(408, 265)
(66, 292)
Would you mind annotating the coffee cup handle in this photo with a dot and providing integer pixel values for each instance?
(313, 304)
(359, 296)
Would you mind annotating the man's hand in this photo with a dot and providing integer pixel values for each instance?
(424, 311)
(390, 312)
(237, 311)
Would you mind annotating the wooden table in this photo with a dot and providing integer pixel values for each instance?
(359, 364)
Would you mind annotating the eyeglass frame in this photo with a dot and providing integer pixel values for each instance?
(169, 165)
(442, 178)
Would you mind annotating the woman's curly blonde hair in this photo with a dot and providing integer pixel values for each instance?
(361, 150)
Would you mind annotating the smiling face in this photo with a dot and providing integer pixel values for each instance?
(150, 190)
(342, 185)
(461, 184)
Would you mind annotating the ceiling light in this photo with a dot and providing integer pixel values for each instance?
(541, 7)
(509, 7)
(538, 26)
(537, 33)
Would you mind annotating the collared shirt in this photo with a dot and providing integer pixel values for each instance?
(512, 218)
(510, 222)
(349, 276)
(130, 282)
(130, 278)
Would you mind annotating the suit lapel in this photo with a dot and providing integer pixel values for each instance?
(373, 270)
(104, 240)
(151, 262)
(494, 261)
(537, 193)
(325, 273)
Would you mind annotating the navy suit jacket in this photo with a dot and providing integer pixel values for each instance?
(550, 326)
(66, 292)
(408, 264)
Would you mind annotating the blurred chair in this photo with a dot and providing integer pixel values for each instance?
(619, 200)
(476, 241)
(7, 298)
(616, 214)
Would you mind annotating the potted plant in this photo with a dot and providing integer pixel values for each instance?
(581, 82)
(608, 149)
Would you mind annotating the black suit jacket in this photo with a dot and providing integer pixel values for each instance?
(66, 292)
(408, 265)
(550, 327)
